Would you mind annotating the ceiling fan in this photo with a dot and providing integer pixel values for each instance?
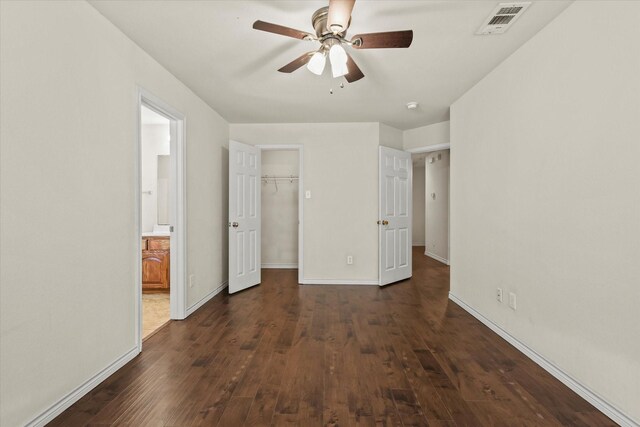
(330, 25)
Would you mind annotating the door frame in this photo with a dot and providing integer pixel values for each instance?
(300, 149)
(178, 245)
(429, 148)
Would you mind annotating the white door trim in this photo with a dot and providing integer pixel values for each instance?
(300, 149)
(178, 251)
(430, 148)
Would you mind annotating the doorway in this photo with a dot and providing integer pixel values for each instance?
(431, 196)
(283, 167)
(280, 203)
(269, 233)
(437, 206)
(419, 201)
(161, 257)
(155, 205)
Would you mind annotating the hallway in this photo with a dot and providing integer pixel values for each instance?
(312, 355)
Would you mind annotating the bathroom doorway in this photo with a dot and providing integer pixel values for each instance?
(156, 237)
(161, 225)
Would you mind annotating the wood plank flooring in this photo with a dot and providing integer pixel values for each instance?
(283, 354)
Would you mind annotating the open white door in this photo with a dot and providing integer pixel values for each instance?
(244, 216)
(395, 211)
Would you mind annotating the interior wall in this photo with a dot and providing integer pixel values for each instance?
(390, 136)
(435, 134)
(341, 172)
(68, 133)
(280, 209)
(437, 205)
(418, 229)
(545, 200)
(155, 142)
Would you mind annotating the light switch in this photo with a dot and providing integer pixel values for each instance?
(307, 194)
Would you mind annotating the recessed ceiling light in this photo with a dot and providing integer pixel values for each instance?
(412, 105)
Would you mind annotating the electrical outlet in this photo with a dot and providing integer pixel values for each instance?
(512, 300)
(349, 259)
(307, 194)
(192, 280)
(499, 294)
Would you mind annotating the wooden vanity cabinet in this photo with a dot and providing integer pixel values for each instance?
(155, 264)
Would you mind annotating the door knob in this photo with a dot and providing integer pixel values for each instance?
(383, 222)
(233, 224)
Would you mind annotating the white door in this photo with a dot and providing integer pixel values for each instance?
(244, 216)
(395, 210)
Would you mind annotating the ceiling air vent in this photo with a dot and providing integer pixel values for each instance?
(503, 16)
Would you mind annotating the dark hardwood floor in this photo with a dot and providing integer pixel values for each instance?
(280, 353)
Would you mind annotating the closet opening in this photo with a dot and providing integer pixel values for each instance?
(281, 206)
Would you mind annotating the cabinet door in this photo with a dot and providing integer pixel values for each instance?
(155, 269)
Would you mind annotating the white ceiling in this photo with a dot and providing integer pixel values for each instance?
(211, 47)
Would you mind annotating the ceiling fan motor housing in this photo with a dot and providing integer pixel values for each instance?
(319, 22)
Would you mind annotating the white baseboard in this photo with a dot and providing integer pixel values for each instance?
(593, 398)
(206, 298)
(280, 265)
(437, 257)
(338, 282)
(57, 408)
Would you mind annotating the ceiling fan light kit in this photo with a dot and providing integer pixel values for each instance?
(330, 25)
(338, 58)
(317, 62)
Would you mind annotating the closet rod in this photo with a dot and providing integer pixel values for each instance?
(279, 177)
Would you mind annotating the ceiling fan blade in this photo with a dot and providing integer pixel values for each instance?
(391, 39)
(339, 15)
(297, 63)
(354, 73)
(283, 31)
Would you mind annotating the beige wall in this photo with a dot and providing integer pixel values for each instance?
(341, 171)
(280, 209)
(418, 218)
(545, 197)
(435, 134)
(68, 147)
(437, 210)
(390, 136)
